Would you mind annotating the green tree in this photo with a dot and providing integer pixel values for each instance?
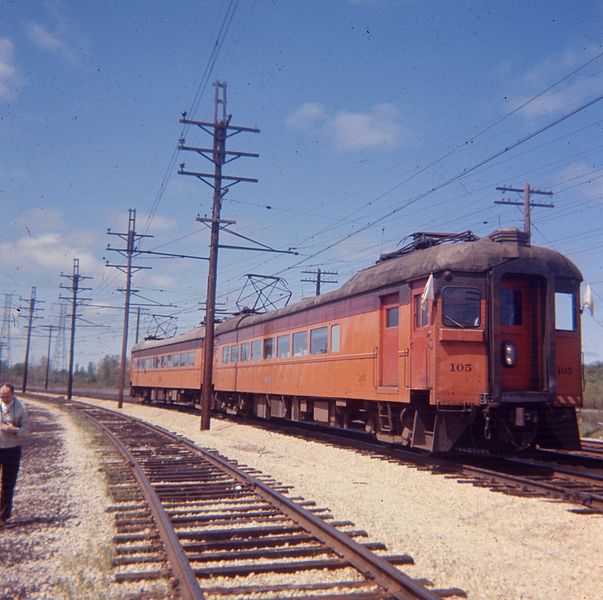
(593, 385)
(107, 372)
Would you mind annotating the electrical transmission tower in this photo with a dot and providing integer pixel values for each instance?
(75, 289)
(526, 203)
(318, 279)
(5, 334)
(220, 130)
(60, 343)
(50, 328)
(129, 252)
(28, 312)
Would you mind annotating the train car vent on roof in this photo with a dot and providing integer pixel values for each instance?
(511, 234)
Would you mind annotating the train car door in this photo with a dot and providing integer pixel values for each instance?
(521, 330)
(420, 343)
(390, 321)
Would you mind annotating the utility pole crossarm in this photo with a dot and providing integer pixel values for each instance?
(208, 151)
(213, 176)
(527, 204)
(204, 124)
(319, 278)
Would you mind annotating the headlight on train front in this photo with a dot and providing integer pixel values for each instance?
(509, 354)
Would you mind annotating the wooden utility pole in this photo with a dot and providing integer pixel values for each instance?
(527, 204)
(220, 130)
(319, 278)
(75, 288)
(131, 237)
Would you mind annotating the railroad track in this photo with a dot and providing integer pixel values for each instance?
(592, 446)
(580, 483)
(214, 529)
(575, 477)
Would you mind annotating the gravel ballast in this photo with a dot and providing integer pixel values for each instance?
(489, 544)
(58, 541)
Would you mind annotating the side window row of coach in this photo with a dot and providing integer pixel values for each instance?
(301, 343)
(166, 361)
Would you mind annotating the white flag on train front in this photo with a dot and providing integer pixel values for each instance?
(587, 301)
(428, 292)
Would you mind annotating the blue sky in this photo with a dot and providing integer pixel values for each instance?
(367, 109)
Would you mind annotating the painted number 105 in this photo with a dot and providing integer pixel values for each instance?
(461, 367)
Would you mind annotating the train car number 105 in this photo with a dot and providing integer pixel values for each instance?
(461, 367)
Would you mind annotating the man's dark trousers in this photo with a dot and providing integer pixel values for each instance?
(10, 459)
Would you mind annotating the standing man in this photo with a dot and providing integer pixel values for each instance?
(14, 426)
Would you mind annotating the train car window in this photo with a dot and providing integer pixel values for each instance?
(256, 350)
(283, 346)
(461, 307)
(510, 307)
(191, 359)
(421, 313)
(268, 348)
(176, 361)
(157, 362)
(300, 343)
(244, 352)
(234, 354)
(392, 318)
(335, 338)
(168, 361)
(226, 355)
(564, 311)
(163, 361)
(318, 340)
(183, 359)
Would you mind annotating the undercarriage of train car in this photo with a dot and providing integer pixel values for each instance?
(490, 427)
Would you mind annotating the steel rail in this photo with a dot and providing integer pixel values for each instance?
(188, 585)
(454, 466)
(396, 583)
(585, 498)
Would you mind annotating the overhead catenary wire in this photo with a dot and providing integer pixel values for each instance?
(448, 181)
(205, 77)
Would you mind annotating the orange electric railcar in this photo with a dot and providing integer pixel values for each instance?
(452, 341)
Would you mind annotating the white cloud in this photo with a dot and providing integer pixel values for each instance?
(378, 128)
(41, 37)
(164, 282)
(37, 218)
(583, 180)
(50, 252)
(307, 115)
(9, 75)
(568, 94)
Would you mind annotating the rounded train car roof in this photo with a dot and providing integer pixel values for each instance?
(193, 334)
(476, 256)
